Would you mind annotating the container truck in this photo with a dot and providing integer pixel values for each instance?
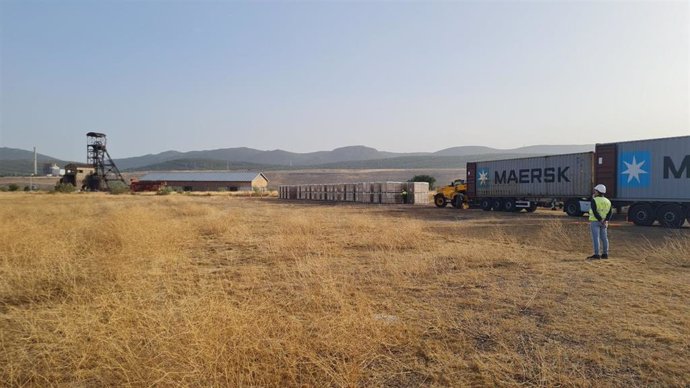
(650, 177)
(515, 184)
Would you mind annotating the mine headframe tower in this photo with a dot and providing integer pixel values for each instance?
(105, 171)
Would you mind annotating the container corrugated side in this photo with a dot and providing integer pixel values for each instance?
(654, 170)
(569, 175)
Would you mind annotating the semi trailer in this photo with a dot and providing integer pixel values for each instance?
(525, 183)
(649, 177)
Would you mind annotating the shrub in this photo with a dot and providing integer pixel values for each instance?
(65, 188)
(13, 187)
(424, 178)
(3, 188)
(165, 191)
(118, 188)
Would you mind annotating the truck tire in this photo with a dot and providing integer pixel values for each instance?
(440, 200)
(509, 205)
(687, 214)
(641, 214)
(671, 215)
(572, 208)
(457, 201)
(485, 204)
(497, 204)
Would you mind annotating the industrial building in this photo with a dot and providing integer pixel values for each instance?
(76, 174)
(99, 172)
(202, 181)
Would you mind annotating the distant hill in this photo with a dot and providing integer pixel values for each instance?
(339, 157)
(530, 150)
(15, 161)
(423, 161)
(202, 164)
(465, 150)
(250, 155)
(20, 162)
(19, 154)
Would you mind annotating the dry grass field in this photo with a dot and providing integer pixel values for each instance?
(142, 290)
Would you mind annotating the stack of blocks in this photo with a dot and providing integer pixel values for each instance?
(363, 192)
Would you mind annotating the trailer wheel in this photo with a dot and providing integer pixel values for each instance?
(440, 200)
(572, 208)
(671, 215)
(457, 201)
(485, 204)
(642, 214)
(687, 215)
(532, 207)
(497, 204)
(509, 205)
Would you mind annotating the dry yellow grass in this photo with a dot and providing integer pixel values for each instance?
(178, 290)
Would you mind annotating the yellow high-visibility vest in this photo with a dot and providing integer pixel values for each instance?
(603, 208)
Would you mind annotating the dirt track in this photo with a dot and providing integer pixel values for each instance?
(523, 226)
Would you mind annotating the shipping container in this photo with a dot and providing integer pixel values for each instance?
(560, 176)
(646, 170)
(652, 177)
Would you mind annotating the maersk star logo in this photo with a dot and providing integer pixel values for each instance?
(483, 177)
(634, 169)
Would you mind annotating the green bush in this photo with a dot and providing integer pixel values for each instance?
(3, 188)
(424, 178)
(13, 187)
(165, 191)
(118, 188)
(64, 188)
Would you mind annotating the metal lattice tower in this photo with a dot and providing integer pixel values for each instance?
(105, 170)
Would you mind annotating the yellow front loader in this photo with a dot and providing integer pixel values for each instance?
(455, 194)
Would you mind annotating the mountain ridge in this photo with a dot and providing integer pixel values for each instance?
(357, 156)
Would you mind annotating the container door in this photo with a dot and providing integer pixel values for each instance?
(605, 159)
(471, 180)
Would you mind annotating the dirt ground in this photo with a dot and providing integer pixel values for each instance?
(522, 226)
(211, 289)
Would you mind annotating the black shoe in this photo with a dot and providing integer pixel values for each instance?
(604, 256)
(594, 257)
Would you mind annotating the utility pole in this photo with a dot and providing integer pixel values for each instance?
(31, 178)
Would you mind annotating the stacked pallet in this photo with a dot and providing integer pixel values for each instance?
(363, 192)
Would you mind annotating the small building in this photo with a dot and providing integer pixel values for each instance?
(76, 174)
(203, 181)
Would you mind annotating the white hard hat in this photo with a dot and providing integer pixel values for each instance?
(600, 188)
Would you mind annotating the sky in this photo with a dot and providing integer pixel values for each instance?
(307, 76)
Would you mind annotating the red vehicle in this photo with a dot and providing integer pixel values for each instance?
(135, 185)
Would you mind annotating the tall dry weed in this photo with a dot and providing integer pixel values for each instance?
(673, 249)
(224, 291)
(565, 236)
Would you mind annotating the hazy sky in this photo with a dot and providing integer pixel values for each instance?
(309, 76)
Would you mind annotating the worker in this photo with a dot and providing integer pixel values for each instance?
(599, 215)
(403, 194)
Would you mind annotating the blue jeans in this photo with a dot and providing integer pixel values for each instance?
(599, 233)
